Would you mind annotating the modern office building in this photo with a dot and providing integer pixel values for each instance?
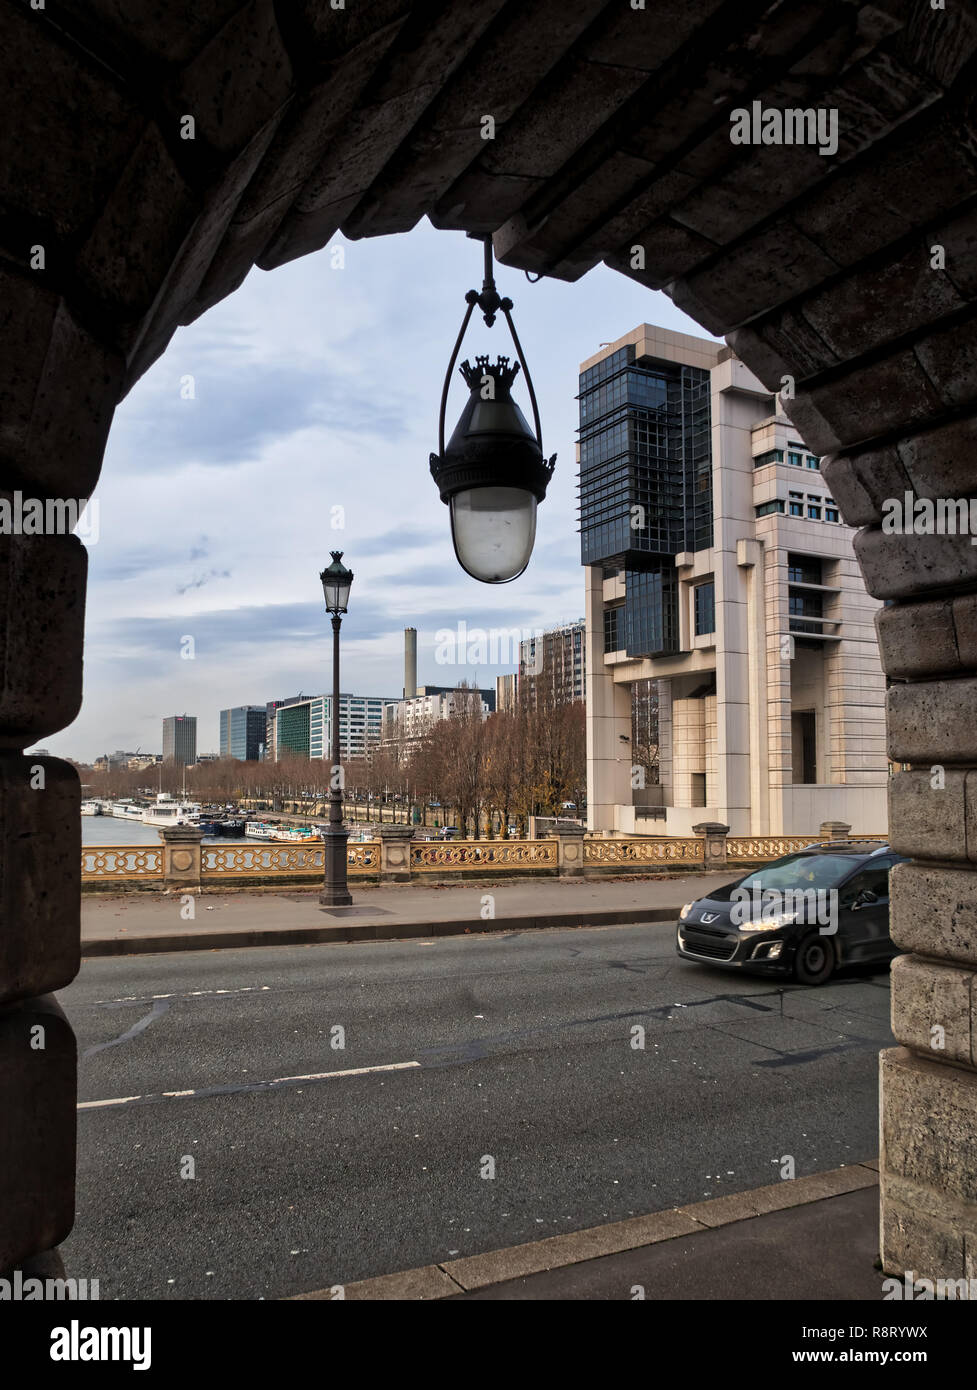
(180, 739)
(411, 719)
(718, 568)
(303, 726)
(553, 667)
(242, 732)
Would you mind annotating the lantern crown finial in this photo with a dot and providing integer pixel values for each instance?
(500, 370)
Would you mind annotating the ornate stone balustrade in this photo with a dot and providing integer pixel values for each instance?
(213, 865)
(461, 855)
(761, 849)
(115, 862)
(264, 861)
(651, 852)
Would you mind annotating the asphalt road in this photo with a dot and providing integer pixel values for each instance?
(518, 1049)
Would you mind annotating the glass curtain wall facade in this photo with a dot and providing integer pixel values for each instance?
(242, 732)
(645, 485)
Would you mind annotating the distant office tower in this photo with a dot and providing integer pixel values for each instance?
(552, 670)
(271, 723)
(243, 732)
(302, 727)
(180, 739)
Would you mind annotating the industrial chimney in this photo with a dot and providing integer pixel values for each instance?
(410, 662)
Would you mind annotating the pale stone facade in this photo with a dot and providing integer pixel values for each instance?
(772, 714)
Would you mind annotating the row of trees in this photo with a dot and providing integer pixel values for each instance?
(490, 772)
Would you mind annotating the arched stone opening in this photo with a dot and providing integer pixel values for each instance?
(157, 162)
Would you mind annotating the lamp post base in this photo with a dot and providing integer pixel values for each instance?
(335, 890)
(335, 897)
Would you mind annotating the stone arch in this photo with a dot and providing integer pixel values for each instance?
(155, 163)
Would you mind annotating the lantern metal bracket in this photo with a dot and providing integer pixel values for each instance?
(490, 302)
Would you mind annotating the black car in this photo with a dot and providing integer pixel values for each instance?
(803, 915)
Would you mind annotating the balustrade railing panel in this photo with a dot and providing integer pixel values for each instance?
(259, 861)
(658, 850)
(428, 857)
(121, 861)
(763, 848)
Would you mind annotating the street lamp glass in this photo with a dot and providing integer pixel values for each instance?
(336, 581)
(493, 530)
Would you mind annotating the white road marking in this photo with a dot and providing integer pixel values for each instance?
(247, 1086)
(193, 994)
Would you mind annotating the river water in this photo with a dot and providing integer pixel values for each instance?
(113, 830)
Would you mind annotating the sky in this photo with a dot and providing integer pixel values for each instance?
(307, 427)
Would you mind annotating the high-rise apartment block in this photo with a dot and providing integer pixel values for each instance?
(411, 719)
(553, 667)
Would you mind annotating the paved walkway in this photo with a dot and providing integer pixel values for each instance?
(813, 1238)
(126, 923)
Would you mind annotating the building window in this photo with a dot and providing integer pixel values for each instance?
(814, 511)
(705, 610)
(795, 459)
(831, 512)
(797, 504)
(813, 462)
(769, 508)
(771, 456)
(804, 746)
(803, 607)
(613, 637)
(803, 569)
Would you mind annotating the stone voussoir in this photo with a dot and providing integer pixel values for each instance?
(932, 722)
(933, 911)
(932, 1009)
(42, 603)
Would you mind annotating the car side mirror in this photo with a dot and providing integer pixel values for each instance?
(864, 898)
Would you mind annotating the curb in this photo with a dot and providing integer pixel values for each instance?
(373, 931)
(464, 1275)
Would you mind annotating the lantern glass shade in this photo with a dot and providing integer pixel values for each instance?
(493, 529)
(336, 581)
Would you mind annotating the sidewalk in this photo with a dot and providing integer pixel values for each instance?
(130, 923)
(811, 1238)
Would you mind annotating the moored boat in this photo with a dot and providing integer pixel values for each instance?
(168, 811)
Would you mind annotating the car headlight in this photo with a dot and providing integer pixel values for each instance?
(685, 911)
(782, 919)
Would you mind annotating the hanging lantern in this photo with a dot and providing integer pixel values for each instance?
(493, 473)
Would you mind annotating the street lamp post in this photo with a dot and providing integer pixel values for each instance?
(336, 581)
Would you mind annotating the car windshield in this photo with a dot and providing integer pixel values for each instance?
(797, 870)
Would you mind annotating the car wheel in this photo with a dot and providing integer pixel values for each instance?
(814, 962)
